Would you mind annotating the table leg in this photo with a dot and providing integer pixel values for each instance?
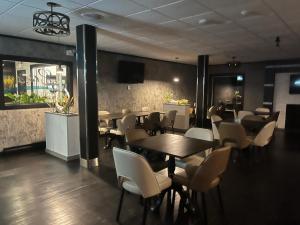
(114, 121)
(171, 166)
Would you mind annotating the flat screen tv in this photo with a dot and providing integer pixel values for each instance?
(295, 84)
(130, 72)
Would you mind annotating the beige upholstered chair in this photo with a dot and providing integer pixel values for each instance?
(197, 159)
(242, 114)
(213, 119)
(263, 110)
(206, 176)
(265, 135)
(127, 122)
(126, 111)
(135, 134)
(103, 124)
(233, 135)
(136, 176)
(169, 120)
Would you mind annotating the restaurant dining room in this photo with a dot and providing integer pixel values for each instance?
(147, 112)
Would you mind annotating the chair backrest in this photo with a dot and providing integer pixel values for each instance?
(125, 111)
(213, 119)
(242, 114)
(199, 133)
(202, 134)
(262, 109)
(135, 134)
(265, 134)
(127, 122)
(171, 115)
(135, 168)
(169, 119)
(233, 133)
(210, 169)
(145, 109)
(154, 117)
(101, 113)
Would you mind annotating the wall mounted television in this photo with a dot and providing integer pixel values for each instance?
(131, 72)
(295, 84)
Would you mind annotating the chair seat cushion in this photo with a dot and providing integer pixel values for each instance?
(163, 181)
(194, 160)
(116, 132)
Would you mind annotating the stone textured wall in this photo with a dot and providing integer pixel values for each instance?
(22, 127)
(113, 96)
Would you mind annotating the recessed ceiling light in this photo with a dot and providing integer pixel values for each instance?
(244, 12)
(202, 21)
(176, 79)
(247, 13)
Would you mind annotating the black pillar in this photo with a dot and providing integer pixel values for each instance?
(202, 90)
(86, 59)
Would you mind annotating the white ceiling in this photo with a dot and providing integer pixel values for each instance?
(167, 29)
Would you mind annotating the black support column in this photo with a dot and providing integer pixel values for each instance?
(202, 90)
(86, 59)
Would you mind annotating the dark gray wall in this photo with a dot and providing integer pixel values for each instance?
(113, 96)
(254, 81)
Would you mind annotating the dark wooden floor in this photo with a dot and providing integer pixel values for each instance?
(36, 188)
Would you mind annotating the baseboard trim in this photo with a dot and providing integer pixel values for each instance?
(60, 156)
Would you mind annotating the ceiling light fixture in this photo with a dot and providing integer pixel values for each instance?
(51, 23)
(233, 63)
(176, 79)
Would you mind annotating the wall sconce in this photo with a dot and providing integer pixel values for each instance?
(176, 79)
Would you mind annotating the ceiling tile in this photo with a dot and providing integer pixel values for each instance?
(210, 19)
(181, 9)
(214, 4)
(176, 25)
(66, 6)
(4, 6)
(149, 16)
(119, 7)
(154, 3)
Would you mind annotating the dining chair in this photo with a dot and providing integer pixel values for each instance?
(168, 121)
(127, 122)
(263, 110)
(215, 118)
(134, 135)
(265, 135)
(152, 123)
(137, 134)
(233, 135)
(204, 177)
(197, 159)
(126, 111)
(135, 175)
(242, 114)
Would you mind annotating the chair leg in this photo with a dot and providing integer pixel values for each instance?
(220, 199)
(120, 204)
(204, 207)
(146, 203)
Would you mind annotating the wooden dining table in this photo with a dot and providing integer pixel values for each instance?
(173, 145)
(115, 116)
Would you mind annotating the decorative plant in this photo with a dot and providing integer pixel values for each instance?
(63, 102)
(168, 97)
(25, 98)
(182, 101)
